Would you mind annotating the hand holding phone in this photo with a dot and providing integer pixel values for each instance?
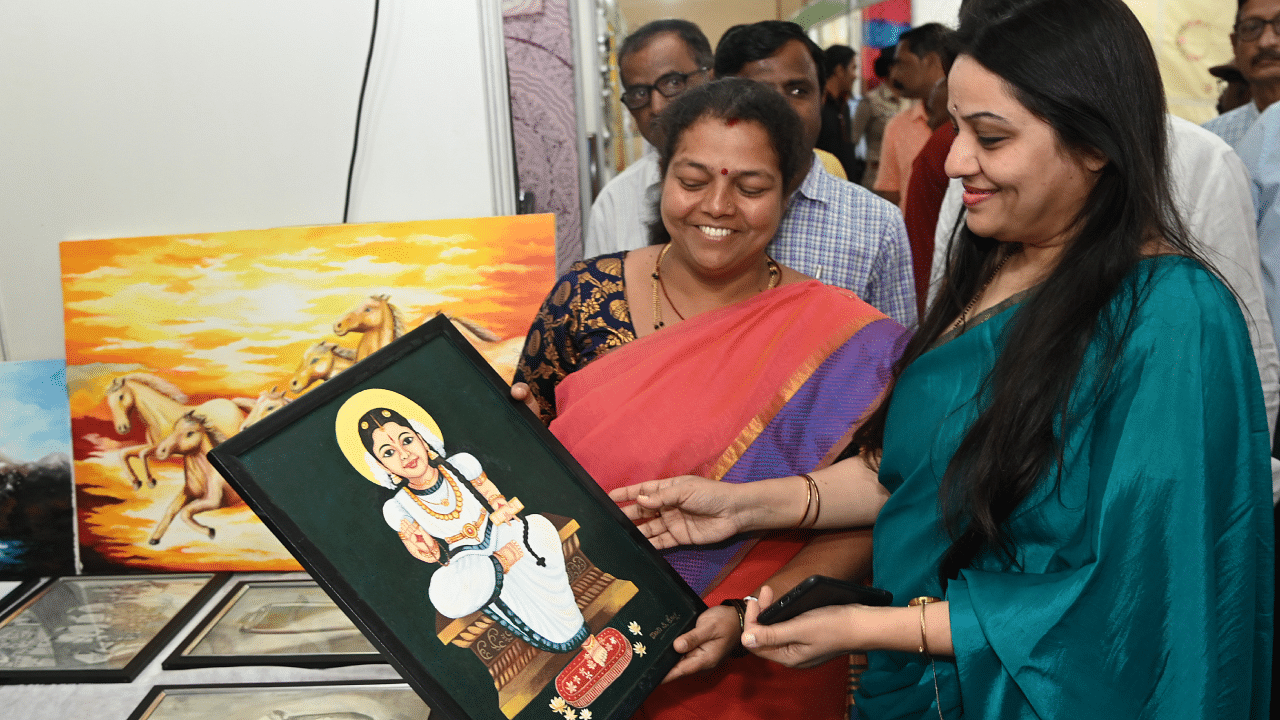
(818, 591)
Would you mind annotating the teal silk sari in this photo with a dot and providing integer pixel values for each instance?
(1143, 584)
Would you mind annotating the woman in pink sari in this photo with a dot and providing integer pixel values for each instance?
(701, 355)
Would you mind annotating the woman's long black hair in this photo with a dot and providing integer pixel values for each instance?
(1086, 68)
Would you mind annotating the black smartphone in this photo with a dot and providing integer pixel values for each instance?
(817, 591)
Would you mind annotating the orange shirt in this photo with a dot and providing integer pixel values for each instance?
(904, 137)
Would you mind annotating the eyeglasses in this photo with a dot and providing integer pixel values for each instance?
(1250, 29)
(637, 97)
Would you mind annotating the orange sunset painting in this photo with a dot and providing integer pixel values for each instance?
(176, 342)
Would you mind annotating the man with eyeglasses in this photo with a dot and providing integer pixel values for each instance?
(1256, 40)
(656, 63)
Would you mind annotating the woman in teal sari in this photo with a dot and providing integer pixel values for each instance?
(1075, 447)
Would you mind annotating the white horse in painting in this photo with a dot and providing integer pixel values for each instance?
(268, 402)
(193, 436)
(160, 403)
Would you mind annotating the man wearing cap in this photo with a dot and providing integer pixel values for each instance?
(1256, 41)
(655, 64)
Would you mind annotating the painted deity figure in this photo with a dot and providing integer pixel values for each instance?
(447, 511)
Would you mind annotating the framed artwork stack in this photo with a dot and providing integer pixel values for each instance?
(97, 629)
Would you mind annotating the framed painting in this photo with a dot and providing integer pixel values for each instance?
(229, 326)
(97, 629)
(274, 622)
(463, 539)
(37, 533)
(346, 700)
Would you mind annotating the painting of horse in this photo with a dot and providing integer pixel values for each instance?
(502, 354)
(268, 402)
(193, 436)
(319, 363)
(231, 326)
(159, 403)
(378, 322)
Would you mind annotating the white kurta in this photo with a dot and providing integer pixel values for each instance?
(535, 602)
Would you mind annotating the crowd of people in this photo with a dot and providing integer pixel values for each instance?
(1022, 374)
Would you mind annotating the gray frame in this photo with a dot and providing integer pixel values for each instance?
(282, 701)
(274, 622)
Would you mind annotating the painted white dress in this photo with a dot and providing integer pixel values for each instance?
(533, 601)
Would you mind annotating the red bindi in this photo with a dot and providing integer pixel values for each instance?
(731, 122)
(724, 171)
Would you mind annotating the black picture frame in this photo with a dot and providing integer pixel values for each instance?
(98, 628)
(290, 622)
(282, 700)
(293, 470)
(20, 590)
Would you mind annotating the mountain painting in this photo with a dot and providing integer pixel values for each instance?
(37, 532)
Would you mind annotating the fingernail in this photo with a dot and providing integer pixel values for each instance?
(642, 497)
(749, 640)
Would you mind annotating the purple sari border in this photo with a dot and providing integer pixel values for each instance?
(822, 413)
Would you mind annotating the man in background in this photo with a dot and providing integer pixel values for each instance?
(842, 71)
(655, 63)
(833, 230)
(873, 113)
(927, 187)
(919, 64)
(1256, 41)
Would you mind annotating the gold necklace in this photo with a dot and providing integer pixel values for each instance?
(972, 303)
(775, 276)
(457, 499)
(446, 502)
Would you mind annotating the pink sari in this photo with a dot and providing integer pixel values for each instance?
(769, 387)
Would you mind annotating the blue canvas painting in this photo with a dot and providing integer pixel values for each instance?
(37, 532)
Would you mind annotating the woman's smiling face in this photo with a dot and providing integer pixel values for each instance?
(1020, 184)
(723, 196)
(401, 450)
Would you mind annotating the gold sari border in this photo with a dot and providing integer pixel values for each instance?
(779, 400)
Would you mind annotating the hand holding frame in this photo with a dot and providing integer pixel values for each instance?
(715, 635)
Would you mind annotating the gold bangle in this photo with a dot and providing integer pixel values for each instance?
(924, 641)
(924, 634)
(809, 485)
(817, 496)
(924, 646)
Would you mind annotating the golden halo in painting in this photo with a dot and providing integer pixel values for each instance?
(362, 402)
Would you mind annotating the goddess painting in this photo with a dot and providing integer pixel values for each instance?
(447, 511)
